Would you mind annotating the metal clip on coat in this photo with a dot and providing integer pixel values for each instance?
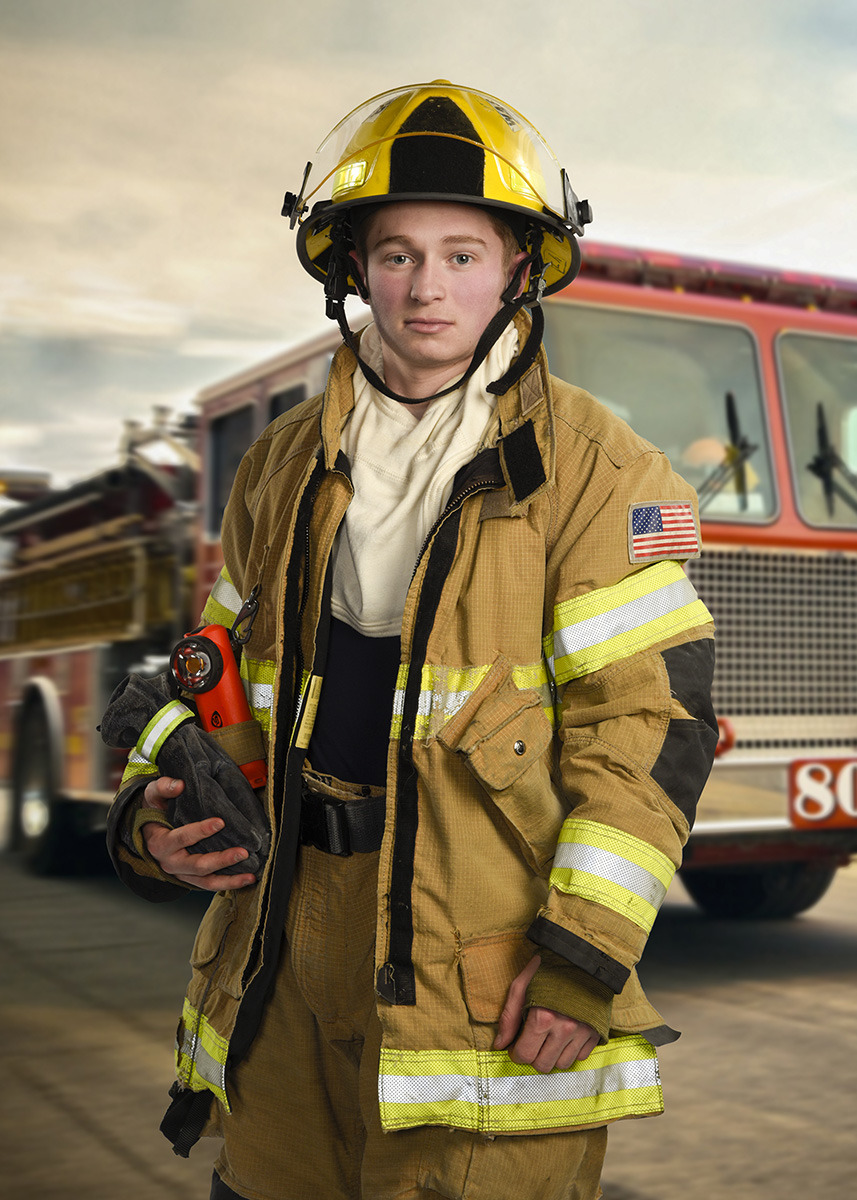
(204, 664)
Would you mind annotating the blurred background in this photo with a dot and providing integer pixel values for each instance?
(145, 150)
(144, 153)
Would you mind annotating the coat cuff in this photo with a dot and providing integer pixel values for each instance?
(146, 816)
(567, 989)
(138, 872)
(580, 953)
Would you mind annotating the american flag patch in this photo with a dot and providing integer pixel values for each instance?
(658, 531)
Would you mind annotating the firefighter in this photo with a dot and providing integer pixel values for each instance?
(483, 678)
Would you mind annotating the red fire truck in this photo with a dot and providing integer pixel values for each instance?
(96, 582)
(746, 378)
(100, 579)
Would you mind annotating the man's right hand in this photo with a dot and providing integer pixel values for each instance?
(169, 847)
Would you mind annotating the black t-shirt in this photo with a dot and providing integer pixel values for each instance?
(351, 733)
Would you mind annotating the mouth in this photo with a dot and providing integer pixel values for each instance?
(427, 324)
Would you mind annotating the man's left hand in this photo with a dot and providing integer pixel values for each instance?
(548, 1039)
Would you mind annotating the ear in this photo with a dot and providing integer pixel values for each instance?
(359, 276)
(525, 278)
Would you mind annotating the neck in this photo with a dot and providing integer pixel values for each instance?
(416, 383)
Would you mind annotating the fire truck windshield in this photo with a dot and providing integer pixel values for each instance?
(819, 382)
(690, 386)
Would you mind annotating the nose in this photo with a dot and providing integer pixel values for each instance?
(426, 283)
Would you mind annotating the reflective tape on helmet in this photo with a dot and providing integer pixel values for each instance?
(445, 690)
(608, 624)
(224, 602)
(165, 721)
(486, 1092)
(612, 868)
(201, 1056)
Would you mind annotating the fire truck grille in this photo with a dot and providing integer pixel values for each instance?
(786, 644)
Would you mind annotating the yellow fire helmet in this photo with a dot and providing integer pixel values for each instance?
(439, 141)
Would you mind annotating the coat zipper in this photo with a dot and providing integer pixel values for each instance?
(478, 485)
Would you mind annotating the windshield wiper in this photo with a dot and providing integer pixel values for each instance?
(738, 451)
(826, 462)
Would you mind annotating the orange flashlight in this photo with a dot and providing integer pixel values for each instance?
(204, 664)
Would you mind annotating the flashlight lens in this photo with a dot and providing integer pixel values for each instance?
(193, 664)
(197, 664)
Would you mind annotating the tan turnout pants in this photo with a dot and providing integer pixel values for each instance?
(305, 1122)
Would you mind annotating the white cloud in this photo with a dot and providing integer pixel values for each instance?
(14, 437)
(146, 149)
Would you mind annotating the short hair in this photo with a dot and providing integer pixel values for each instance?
(506, 234)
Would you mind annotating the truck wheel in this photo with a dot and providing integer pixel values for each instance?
(44, 827)
(772, 890)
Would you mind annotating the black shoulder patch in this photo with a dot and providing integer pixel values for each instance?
(523, 461)
(690, 667)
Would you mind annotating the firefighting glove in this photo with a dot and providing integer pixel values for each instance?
(144, 714)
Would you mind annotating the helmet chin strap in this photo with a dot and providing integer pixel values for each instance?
(341, 265)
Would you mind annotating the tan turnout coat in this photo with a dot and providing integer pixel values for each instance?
(546, 752)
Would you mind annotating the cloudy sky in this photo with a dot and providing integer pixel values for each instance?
(145, 149)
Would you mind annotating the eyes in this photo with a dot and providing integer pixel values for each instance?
(461, 258)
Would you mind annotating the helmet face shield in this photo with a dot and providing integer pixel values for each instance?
(519, 162)
(438, 142)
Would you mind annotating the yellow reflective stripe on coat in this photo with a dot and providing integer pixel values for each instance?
(613, 868)
(258, 675)
(201, 1058)
(484, 1091)
(135, 767)
(224, 602)
(615, 622)
(445, 690)
(165, 721)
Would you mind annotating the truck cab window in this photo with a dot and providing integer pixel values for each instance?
(819, 383)
(669, 378)
(229, 437)
(282, 401)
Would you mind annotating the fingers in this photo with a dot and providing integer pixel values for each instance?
(159, 791)
(513, 1010)
(549, 1040)
(170, 849)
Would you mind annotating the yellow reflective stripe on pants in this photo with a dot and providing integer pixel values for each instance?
(486, 1092)
(224, 602)
(613, 868)
(201, 1058)
(445, 690)
(615, 622)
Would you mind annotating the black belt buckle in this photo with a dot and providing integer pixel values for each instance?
(324, 824)
(342, 827)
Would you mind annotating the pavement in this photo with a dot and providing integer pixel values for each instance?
(91, 981)
(759, 1090)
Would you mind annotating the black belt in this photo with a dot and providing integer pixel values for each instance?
(342, 827)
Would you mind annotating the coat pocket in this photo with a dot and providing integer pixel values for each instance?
(212, 930)
(222, 941)
(488, 966)
(506, 741)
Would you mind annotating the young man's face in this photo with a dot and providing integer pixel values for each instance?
(435, 273)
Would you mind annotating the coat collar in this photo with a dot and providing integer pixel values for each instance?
(525, 443)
